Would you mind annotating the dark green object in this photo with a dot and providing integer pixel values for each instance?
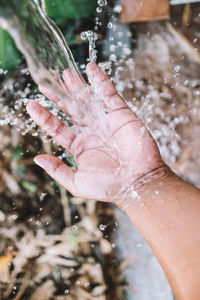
(60, 10)
(21, 169)
(30, 187)
(70, 161)
(9, 55)
(17, 151)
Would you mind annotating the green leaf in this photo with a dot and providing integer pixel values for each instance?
(61, 10)
(17, 153)
(9, 55)
(29, 187)
(20, 169)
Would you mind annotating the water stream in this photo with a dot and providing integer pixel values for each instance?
(51, 62)
(38, 38)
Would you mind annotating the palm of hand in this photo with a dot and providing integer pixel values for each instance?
(105, 167)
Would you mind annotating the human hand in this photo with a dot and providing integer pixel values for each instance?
(110, 157)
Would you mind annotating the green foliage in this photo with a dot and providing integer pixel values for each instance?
(30, 187)
(9, 55)
(17, 153)
(61, 10)
(20, 169)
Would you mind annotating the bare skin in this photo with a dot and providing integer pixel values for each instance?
(96, 179)
(133, 176)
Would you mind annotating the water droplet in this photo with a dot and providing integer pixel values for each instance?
(195, 40)
(117, 8)
(196, 93)
(126, 51)
(99, 9)
(86, 284)
(102, 227)
(177, 68)
(84, 35)
(112, 48)
(134, 194)
(92, 37)
(102, 2)
(110, 25)
(113, 57)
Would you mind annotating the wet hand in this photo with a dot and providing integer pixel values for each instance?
(106, 170)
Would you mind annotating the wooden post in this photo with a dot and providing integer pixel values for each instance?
(144, 10)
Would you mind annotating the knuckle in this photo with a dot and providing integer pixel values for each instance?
(49, 118)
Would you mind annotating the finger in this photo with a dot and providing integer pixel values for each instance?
(57, 170)
(70, 82)
(73, 82)
(78, 89)
(63, 134)
(67, 104)
(49, 94)
(103, 86)
(53, 90)
(57, 94)
(67, 93)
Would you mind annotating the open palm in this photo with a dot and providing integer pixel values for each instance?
(109, 158)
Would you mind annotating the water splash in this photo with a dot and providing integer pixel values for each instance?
(92, 38)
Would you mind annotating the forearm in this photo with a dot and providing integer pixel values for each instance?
(167, 214)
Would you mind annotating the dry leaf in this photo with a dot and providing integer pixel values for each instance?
(105, 246)
(44, 292)
(5, 260)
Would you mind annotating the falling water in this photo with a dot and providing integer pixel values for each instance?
(51, 62)
(37, 37)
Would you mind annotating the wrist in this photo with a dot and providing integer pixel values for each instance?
(145, 187)
(153, 179)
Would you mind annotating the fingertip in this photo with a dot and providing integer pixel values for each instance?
(95, 74)
(91, 66)
(37, 112)
(31, 105)
(41, 160)
(92, 70)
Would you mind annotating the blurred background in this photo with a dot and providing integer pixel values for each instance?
(54, 246)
